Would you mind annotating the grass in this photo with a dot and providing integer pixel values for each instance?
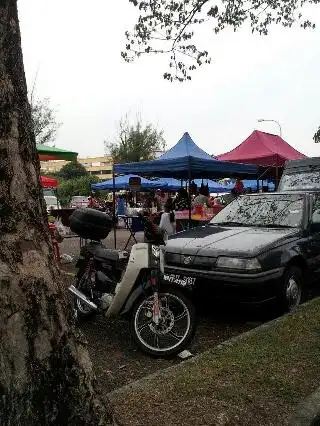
(257, 379)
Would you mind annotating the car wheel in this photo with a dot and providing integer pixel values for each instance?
(292, 289)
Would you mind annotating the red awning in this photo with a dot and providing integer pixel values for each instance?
(48, 182)
(263, 149)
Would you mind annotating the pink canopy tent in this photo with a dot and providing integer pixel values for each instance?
(263, 149)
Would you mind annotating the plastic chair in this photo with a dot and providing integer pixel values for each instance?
(134, 225)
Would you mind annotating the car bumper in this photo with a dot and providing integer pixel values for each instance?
(243, 288)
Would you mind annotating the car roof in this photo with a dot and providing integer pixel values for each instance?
(297, 192)
(311, 162)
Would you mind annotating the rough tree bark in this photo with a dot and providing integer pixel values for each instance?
(45, 370)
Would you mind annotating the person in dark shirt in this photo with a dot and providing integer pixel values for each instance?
(239, 187)
(182, 201)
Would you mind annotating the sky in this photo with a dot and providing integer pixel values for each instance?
(72, 48)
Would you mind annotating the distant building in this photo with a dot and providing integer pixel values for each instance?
(97, 166)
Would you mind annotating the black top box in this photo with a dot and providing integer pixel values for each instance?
(90, 224)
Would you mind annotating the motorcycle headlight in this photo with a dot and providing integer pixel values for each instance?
(155, 257)
(156, 252)
(239, 264)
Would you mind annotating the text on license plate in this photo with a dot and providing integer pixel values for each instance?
(180, 280)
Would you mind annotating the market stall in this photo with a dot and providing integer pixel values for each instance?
(47, 182)
(185, 161)
(123, 182)
(47, 153)
(265, 150)
(171, 184)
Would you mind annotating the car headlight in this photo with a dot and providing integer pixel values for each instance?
(239, 264)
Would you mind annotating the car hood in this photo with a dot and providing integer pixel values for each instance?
(228, 241)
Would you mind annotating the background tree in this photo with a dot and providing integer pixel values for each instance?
(72, 187)
(72, 170)
(135, 142)
(44, 121)
(169, 27)
(316, 136)
(45, 370)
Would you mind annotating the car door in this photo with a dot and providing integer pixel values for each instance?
(314, 237)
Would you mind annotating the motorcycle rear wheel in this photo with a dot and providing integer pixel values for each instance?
(81, 311)
(176, 326)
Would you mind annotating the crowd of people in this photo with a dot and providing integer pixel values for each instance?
(160, 201)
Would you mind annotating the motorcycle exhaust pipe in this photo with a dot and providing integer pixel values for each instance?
(82, 297)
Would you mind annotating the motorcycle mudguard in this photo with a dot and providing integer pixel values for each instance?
(138, 260)
(142, 290)
(103, 278)
(134, 296)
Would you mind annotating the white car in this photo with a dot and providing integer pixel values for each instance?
(79, 201)
(51, 202)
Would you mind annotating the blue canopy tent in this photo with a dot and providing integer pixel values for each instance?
(171, 184)
(252, 184)
(122, 182)
(186, 161)
(214, 186)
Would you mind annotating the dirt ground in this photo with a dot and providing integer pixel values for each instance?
(115, 358)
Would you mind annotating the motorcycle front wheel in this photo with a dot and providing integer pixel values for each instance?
(174, 329)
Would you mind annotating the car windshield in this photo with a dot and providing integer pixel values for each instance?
(300, 181)
(273, 210)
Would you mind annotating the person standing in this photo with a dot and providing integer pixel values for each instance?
(182, 201)
(167, 221)
(93, 203)
(202, 198)
(239, 187)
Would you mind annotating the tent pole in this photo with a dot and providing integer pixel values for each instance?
(189, 177)
(114, 209)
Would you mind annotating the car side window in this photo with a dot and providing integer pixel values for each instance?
(316, 210)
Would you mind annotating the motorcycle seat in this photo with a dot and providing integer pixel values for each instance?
(103, 253)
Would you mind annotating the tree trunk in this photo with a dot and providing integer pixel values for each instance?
(45, 370)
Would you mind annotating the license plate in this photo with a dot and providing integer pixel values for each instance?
(182, 280)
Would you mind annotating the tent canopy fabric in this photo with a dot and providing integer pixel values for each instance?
(253, 184)
(47, 182)
(185, 148)
(47, 153)
(171, 184)
(122, 182)
(249, 183)
(186, 164)
(263, 149)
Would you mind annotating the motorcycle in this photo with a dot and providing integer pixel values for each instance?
(116, 283)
